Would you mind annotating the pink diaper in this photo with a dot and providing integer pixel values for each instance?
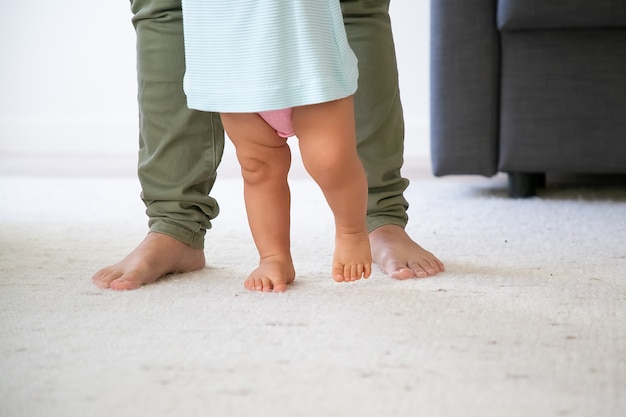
(279, 120)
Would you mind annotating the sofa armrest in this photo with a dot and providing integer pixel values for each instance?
(464, 87)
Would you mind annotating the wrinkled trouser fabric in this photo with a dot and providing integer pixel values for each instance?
(180, 149)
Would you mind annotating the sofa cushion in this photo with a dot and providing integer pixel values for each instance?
(560, 14)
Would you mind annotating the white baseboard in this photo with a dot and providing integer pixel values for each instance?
(417, 140)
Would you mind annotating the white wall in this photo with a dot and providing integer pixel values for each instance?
(411, 26)
(68, 77)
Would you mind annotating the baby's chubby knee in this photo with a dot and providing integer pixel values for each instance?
(258, 169)
(255, 171)
(327, 166)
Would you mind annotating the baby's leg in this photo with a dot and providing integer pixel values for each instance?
(328, 145)
(265, 159)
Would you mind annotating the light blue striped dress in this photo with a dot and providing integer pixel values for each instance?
(247, 56)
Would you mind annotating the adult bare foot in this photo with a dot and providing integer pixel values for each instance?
(399, 256)
(155, 257)
(273, 274)
(353, 257)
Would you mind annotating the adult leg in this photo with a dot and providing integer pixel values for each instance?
(179, 150)
(327, 140)
(380, 136)
(265, 159)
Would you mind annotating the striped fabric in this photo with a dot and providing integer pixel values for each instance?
(246, 56)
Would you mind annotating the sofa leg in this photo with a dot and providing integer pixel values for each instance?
(525, 184)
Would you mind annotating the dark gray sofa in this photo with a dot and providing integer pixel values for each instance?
(528, 87)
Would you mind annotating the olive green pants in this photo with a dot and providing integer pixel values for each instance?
(180, 149)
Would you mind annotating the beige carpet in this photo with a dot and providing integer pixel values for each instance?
(528, 320)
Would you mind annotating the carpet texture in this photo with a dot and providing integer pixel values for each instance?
(528, 319)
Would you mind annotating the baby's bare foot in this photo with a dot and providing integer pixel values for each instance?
(156, 256)
(353, 257)
(273, 274)
(399, 256)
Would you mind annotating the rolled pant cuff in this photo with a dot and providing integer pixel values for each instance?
(195, 240)
(379, 221)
